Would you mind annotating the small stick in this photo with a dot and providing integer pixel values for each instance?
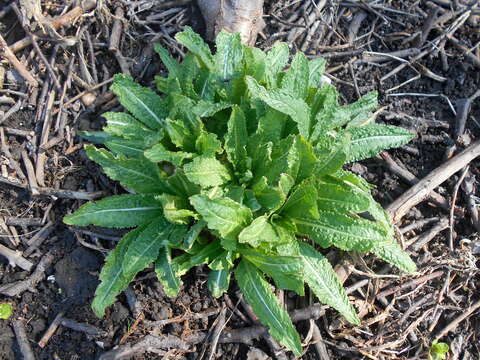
(319, 345)
(22, 339)
(469, 189)
(91, 56)
(58, 22)
(401, 171)
(6, 152)
(11, 111)
(421, 190)
(452, 210)
(81, 327)
(22, 70)
(429, 235)
(418, 224)
(50, 70)
(15, 258)
(17, 132)
(59, 193)
(463, 107)
(32, 180)
(457, 321)
(18, 287)
(39, 238)
(116, 30)
(410, 284)
(132, 328)
(51, 330)
(23, 221)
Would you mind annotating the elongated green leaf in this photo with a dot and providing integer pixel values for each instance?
(392, 253)
(175, 208)
(208, 144)
(119, 211)
(218, 282)
(236, 141)
(224, 215)
(127, 147)
(113, 280)
(322, 279)
(171, 64)
(122, 124)
(370, 140)
(209, 108)
(158, 153)
(282, 101)
(228, 59)
(193, 233)
(144, 250)
(307, 159)
(206, 254)
(167, 272)
(142, 102)
(266, 307)
(260, 230)
(206, 171)
(194, 42)
(316, 69)
(332, 158)
(136, 174)
(275, 61)
(181, 186)
(345, 232)
(286, 271)
(336, 198)
(296, 79)
(254, 59)
(302, 202)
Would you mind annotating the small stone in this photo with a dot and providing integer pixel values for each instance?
(88, 98)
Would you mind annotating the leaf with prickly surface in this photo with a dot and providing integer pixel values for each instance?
(337, 198)
(296, 78)
(260, 230)
(322, 279)
(167, 272)
(218, 282)
(236, 141)
(275, 61)
(228, 59)
(194, 42)
(342, 231)
(206, 171)
(316, 69)
(159, 153)
(136, 174)
(143, 103)
(266, 307)
(119, 211)
(392, 253)
(113, 280)
(370, 140)
(224, 215)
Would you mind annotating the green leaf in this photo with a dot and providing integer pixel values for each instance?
(167, 272)
(260, 230)
(322, 279)
(307, 159)
(370, 140)
(119, 211)
(275, 61)
(236, 141)
(142, 102)
(207, 172)
(144, 250)
(209, 108)
(171, 64)
(208, 144)
(180, 135)
(254, 59)
(302, 202)
(174, 209)
(224, 215)
(193, 233)
(6, 311)
(272, 198)
(218, 282)
(296, 79)
(342, 231)
(282, 101)
(181, 186)
(159, 153)
(206, 254)
(194, 42)
(228, 59)
(332, 158)
(392, 253)
(266, 307)
(113, 280)
(286, 271)
(336, 198)
(136, 174)
(122, 124)
(316, 70)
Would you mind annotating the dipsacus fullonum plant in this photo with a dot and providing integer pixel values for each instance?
(236, 163)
